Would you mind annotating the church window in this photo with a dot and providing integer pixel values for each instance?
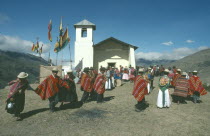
(84, 32)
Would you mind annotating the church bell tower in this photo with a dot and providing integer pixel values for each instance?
(84, 44)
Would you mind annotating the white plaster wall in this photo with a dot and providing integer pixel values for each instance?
(89, 37)
(117, 62)
(111, 52)
(132, 57)
(84, 48)
(85, 52)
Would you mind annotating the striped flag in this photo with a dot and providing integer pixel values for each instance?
(33, 47)
(40, 50)
(65, 39)
(56, 48)
(61, 33)
(49, 30)
(37, 47)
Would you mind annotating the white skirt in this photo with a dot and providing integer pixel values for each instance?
(148, 87)
(108, 84)
(160, 103)
(113, 84)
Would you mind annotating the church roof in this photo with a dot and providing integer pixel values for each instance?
(85, 23)
(114, 39)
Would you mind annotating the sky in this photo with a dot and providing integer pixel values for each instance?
(162, 29)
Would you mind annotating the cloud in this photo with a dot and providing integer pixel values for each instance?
(15, 44)
(168, 43)
(176, 54)
(189, 41)
(4, 18)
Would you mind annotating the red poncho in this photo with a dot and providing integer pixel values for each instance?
(99, 84)
(176, 76)
(50, 86)
(181, 87)
(196, 85)
(16, 86)
(84, 75)
(140, 88)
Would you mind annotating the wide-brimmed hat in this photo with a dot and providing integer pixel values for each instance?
(22, 75)
(141, 70)
(166, 70)
(184, 74)
(69, 71)
(178, 69)
(55, 69)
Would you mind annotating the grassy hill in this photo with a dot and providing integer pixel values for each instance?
(12, 63)
(199, 61)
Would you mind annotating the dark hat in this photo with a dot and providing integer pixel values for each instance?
(91, 68)
(86, 69)
(102, 69)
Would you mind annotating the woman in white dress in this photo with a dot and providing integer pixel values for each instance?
(108, 84)
(163, 99)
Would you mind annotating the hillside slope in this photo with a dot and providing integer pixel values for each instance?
(12, 63)
(199, 61)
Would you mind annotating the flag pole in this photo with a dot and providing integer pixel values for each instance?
(70, 56)
(56, 58)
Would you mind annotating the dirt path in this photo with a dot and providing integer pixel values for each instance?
(117, 116)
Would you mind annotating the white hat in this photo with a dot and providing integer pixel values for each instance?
(184, 73)
(141, 70)
(179, 69)
(69, 71)
(166, 70)
(22, 75)
(149, 68)
(195, 71)
(55, 69)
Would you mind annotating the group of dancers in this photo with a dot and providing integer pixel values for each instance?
(93, 84)
(184, 85)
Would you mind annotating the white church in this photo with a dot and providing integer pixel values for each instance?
(109, 52)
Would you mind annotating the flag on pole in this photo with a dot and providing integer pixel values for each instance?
(49, 30)
(56, 48)
(33, 47)
(61, 33)
(40, 50)
(65, 39)
(37, 47)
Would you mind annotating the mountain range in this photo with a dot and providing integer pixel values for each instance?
(199, 61)
(12, 63)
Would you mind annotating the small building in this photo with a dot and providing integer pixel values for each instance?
(109, 52)
(113, 52)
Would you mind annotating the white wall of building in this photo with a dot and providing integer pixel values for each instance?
(132, 61)
(84, 47)
(111, 52)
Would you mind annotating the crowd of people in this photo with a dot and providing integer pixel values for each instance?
(94, 83)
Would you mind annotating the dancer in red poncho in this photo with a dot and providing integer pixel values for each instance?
(16, 97)
(99, 85)
(196, 87)
(50, 87)
(140, 90)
